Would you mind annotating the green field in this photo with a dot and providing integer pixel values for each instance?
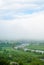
(36, 47)
(9, 54)
(19, 56)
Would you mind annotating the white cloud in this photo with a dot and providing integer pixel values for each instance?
(20, 4)
(1, 3)
(28, 27)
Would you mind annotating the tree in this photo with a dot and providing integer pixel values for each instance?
(4, 62)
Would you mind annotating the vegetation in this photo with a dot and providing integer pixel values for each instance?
(11, 56)
(35, 46)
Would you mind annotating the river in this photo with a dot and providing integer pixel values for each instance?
(26, 49)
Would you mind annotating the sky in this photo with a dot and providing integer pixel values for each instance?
(22, 19)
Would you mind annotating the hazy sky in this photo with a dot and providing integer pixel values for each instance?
(22, 19)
